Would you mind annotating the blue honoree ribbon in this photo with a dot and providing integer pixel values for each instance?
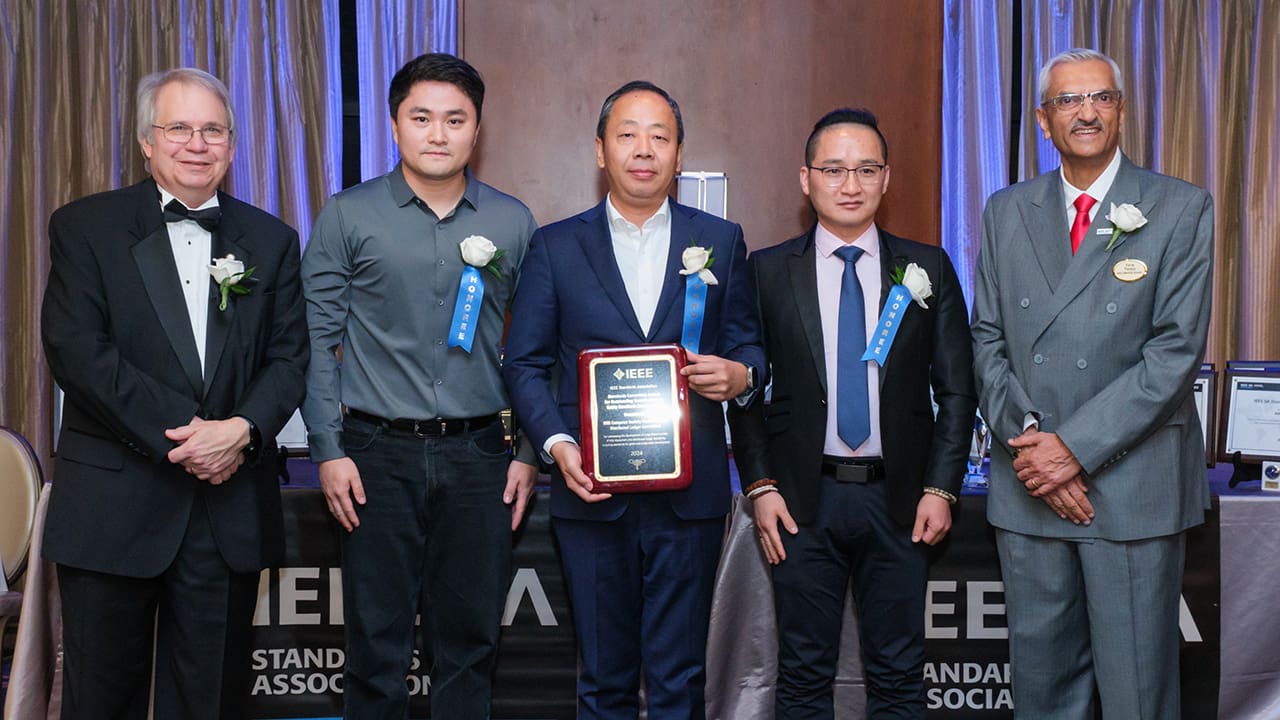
(466, 311)
(695, 306)
(887, 325)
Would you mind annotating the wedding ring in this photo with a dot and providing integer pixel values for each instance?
(1035, 484)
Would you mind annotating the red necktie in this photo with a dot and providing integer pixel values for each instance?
(1081, 224)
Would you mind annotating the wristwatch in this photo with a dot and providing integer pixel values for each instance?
(752, 379)
(255, 438)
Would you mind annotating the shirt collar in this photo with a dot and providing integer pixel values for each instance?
(402, 194)
(1100, 186)
(166, 196)
(827, 243)
(620, 224)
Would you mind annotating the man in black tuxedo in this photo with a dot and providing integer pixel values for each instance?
(165, 498)
(849, 457)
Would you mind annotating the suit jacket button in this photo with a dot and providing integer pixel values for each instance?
(1111, 308)
(1038, 359)
(1082, 364)
(1025, 302)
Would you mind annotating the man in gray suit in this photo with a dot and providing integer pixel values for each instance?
(1090, 316)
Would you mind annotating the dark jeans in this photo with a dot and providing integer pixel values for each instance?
(852, 537)
(201, 636)
(435, 538)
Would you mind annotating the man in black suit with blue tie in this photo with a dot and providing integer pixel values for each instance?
(849, 458)
(173, 320)
(640, 568)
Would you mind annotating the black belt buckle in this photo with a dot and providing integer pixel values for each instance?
(859, 471)
(436, 427)
(859, 474)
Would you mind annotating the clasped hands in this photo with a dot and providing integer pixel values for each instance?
(711, 376)
(211, 450)
(1049, 470)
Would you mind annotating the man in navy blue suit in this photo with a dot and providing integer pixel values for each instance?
(641, 567)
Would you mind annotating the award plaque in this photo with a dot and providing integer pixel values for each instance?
(634, 407)
(1251, 412)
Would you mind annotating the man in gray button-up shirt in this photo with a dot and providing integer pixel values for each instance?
(407, 279)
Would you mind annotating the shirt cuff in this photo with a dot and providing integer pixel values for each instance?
(551, 442)
(1030, 420)
(325, 446)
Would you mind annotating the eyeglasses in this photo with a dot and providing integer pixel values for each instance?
(835, 176)
(182, 133)
(1073, 102)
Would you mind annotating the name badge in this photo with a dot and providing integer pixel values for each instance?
(1129, 270)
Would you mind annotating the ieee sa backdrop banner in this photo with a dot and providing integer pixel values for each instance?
(298, 650)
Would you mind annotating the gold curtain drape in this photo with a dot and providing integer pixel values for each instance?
(1202, 103)
(68, 73)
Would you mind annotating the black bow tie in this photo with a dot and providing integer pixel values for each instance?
(207, 218)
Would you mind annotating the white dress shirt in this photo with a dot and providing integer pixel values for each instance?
(830, 276)
(1097, 190)
(641, 253)
(192, 246)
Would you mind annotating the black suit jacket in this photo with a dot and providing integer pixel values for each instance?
(783, 440)
(119, 342)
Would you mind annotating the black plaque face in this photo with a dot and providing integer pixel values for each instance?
(635, 418)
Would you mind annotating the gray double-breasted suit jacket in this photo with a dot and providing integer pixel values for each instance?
(1106, 363)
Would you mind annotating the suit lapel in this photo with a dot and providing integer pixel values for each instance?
(153, 256)
(1125, 189)
(888, 261)
(1045, 217)
(1093, 256)
(683, 233)
(597, 247)
(802, 269)
(227, 240)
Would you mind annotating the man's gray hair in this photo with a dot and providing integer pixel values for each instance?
(150, 86)
(1076, 55)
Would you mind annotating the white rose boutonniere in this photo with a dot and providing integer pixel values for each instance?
(916, 280)
(698, 260)
(231, 277)
(479, 251)
(1124, 219)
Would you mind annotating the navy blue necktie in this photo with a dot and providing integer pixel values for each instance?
(207, 218)
(853, 418)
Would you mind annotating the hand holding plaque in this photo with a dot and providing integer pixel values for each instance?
(634, 407)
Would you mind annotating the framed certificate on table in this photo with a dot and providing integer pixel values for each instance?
(634, 407)
(1205, 392)
(1251, 416)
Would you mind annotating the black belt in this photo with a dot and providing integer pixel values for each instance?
(435, 427)
(861, 470)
